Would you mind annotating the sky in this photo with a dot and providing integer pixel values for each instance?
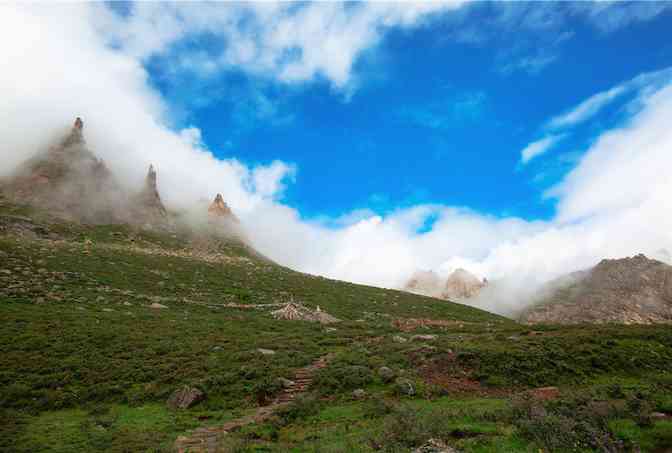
(364, 141)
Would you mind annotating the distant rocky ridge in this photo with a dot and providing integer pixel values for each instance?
(460, 284)
(69, 180)
(635, 290)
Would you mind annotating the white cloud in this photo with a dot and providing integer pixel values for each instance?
(539, 147)
(594, 104)
(293, 42)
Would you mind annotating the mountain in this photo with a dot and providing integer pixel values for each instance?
(460, 284)
(635, 290)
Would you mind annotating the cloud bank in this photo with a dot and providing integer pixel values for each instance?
(61, 61)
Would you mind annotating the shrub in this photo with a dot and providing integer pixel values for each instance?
(343, 378)
(302, 407)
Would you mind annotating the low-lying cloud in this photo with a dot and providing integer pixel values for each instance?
(57, 64)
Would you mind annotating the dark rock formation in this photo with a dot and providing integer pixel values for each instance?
(635, 290)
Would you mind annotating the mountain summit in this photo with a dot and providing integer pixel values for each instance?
(635, 290)
(460, 284)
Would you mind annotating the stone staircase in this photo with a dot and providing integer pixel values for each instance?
(208, 439)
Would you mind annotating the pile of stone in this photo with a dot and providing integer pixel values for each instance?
(297, 312)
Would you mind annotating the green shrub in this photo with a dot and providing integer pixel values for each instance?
(337, 379)
(301, 408)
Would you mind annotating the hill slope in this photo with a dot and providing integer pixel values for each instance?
(88, 363)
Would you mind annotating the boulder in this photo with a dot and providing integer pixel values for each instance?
(185, 398)
(285, 383)
(265, 351)
(404, 386)
(359, 394)
(157, 305)
(386, 374)
(398, 339)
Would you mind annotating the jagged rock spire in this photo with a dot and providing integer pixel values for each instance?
(150, 197)
(150, 180)
(219, 208)
(76, 135)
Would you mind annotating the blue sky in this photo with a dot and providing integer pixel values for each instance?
(436, 114)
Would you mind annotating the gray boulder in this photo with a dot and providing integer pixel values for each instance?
(185, 398)
(404, 386)
(386, 374)
(359, 394)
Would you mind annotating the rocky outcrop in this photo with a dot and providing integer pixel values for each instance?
(149, 200)
(461, 284)
(185, 398)
(635, 290)
(70, 180)
(219, 209)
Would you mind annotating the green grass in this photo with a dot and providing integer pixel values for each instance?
(86, 365)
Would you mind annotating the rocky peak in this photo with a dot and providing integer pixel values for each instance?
(149, 197)
(462, 284)
(219, 208)
(76, 135)
(632, 290)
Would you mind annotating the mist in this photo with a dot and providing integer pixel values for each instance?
(615, 202)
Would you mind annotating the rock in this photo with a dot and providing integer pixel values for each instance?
(434, 446)
(462, 284)
(216, 348)
(386, 374)
(219, 208)
(359, 394)
(404, 386)
(635, 290)
(107, 309)
(128, 304)
(150, 195)
(185, 398)
(266, 351)
(398, 339)
(423, 338)
(285, 383)
(157, 305)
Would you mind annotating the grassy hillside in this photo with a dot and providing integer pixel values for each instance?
(87, 365)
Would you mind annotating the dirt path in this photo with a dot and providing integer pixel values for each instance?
(207, 439)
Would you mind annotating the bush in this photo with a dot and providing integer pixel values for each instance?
(343, 378)
(301, 408)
